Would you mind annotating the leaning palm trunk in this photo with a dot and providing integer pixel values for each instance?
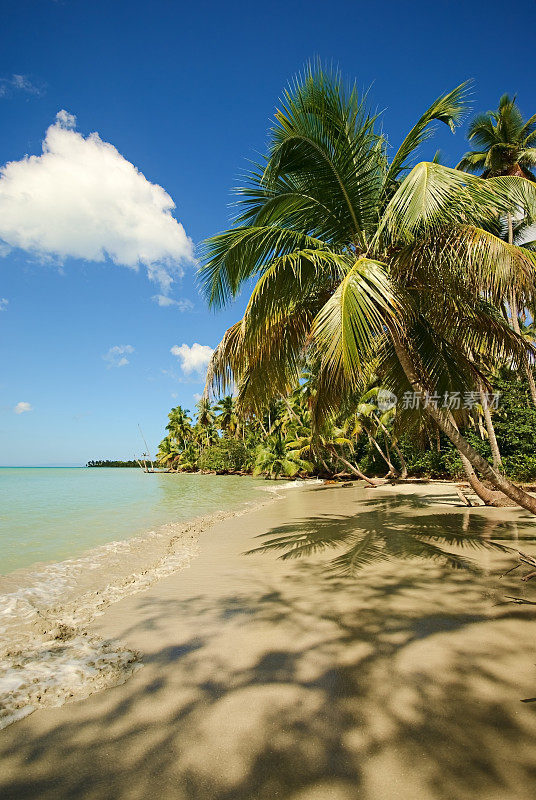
(352, 468)
(392, 469)
(488, 497)
(495, 452)
(500, 482)
(403, 465)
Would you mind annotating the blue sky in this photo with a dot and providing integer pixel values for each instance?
(184, 92)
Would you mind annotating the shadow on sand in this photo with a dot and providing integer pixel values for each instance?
(390, 674)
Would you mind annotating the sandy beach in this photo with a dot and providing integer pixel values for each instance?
(268, 678)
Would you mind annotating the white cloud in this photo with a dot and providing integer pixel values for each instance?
(65, 120)
(3, 303)
(194, 358)
(117, 355)
(21, 407)
(18, 83)
(82, 199)
(183, 304)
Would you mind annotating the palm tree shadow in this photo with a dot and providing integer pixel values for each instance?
(386, 532)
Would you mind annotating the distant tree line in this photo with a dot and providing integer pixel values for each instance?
(103, 463)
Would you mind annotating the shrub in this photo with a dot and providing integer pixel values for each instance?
(228, 455)
(520, 467)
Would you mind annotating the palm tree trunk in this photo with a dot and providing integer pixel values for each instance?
(495, 452)
(403, 465)
(352, 468)
(325, 466)
(475, 460)
(488, 497)
(392, 469)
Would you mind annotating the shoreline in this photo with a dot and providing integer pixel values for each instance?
(49, 656)
(264, 677)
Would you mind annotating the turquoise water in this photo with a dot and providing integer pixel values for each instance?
(52, 514)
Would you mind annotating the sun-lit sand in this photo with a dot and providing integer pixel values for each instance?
(268, 678)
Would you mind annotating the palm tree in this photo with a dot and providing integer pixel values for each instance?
(168, 452)
(357, 255)
(505, 142)
(330, 440)
(187, 460)
(205, 418)
(506, 146)
(179, 425)
(365, 418)
(275, 459)
(205, 413)
(227, 418)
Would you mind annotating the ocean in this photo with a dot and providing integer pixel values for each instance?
(50, 514)
(73, 541)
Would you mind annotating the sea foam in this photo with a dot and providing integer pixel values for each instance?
(47, 654)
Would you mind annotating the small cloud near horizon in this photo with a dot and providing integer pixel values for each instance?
(4, 302)
(22, 407)
(194, 359)
(183, 304)
(116, 355)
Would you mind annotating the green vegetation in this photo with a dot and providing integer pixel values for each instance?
(367, 443)
(373, 276)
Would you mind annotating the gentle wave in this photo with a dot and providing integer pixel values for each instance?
(47, 656)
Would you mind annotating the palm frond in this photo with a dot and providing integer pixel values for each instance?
(323, 133)
(239, 253)
(433, 197)
(448, 108)
(346, 327)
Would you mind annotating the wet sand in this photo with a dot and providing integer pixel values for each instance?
(268, 678)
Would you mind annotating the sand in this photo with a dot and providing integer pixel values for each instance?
(267, 678)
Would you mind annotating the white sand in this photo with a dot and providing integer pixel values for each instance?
(266, 679)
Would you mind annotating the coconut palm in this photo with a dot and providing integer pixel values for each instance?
(371, 409)
(168, 452)
(505, 142)
(205, 413)
(205, 419)
(330, 442)
(187, 460)
(506, 146)
(179, 425)
(355, 254)
(364, 417)
(274, 459)
(227, 417)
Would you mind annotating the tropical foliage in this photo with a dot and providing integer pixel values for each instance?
(363, 442)
(372, 276)
(358, 258)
